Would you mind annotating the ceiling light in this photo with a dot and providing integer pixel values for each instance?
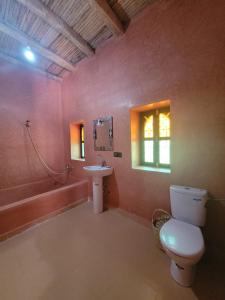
(29, 55)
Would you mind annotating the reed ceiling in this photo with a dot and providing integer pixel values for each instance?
(61, 32)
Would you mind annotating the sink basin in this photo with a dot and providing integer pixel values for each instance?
(98, 171)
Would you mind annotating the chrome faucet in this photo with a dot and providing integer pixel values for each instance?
(68, 168)
(103, 163)
(101, 160)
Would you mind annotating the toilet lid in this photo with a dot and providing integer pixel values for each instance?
(182, 238)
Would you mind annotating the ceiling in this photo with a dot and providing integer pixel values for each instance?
(61, 33)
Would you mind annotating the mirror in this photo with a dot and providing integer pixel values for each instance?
(103, 134)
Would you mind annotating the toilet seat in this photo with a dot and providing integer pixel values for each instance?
(182, 239)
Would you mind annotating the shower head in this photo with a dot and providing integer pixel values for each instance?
(27, 123)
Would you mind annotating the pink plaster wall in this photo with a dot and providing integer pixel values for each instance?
(26, 95)
(173, 50)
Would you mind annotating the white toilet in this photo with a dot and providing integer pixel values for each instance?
(181, 236)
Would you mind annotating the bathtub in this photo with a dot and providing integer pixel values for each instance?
(21, 206)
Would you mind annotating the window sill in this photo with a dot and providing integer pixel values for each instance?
(78, 159)
(152, 169)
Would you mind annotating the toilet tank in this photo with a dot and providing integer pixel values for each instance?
(188, 204)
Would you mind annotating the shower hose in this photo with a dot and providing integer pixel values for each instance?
(49, 170)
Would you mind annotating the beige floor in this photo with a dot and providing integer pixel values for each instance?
(81, 256)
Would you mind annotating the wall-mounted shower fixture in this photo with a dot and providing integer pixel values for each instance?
(27, 123)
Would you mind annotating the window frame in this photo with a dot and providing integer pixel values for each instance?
(156, 138)
(82, 152)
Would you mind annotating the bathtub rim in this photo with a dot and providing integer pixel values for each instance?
(33, 198)
(37, 222)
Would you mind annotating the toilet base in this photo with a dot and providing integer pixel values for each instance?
(184, 275)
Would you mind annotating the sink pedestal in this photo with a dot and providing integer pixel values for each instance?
(98, 194)
(97, 173)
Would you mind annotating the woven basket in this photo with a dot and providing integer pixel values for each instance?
(159, 218)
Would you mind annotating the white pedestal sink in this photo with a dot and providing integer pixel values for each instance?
(98, 172)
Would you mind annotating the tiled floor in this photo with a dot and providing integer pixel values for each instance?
(81, 256)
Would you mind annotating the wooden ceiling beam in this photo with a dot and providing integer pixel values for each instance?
(42, 11)
(24, 39)
(110, 18)
(16, 61)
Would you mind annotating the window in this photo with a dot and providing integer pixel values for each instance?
(155, 138)
(77, 140)
(81, 141)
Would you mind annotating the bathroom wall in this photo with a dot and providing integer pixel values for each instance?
(172, 50)
(25, 95)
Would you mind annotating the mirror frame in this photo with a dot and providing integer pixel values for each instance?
(97, 122)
